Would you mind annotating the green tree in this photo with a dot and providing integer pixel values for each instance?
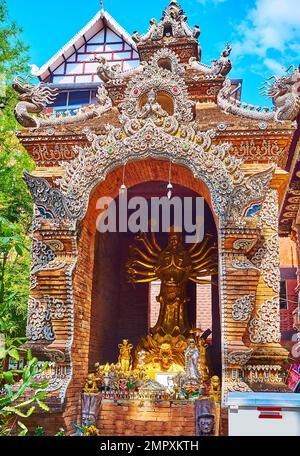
(15, 200)
(13, 61)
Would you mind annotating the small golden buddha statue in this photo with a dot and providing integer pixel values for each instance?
(125, 358)
(215, 388)
(100, 374)
(90, 386)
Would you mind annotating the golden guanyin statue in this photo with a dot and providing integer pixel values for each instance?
(174, 266)
(125, 358)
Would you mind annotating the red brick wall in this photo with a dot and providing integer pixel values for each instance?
(204, 306)
(147, 418)
(119, 309)
(154, 305)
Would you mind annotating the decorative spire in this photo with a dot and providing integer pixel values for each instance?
(102, 6)
(173, 24)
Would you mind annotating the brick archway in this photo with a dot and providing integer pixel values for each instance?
(136, 172)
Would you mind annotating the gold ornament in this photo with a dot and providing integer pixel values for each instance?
(215, 388)
(204, 371)
(125, 358)
(174, 266)
(91, 384)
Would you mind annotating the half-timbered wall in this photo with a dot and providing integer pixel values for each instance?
(81, 66)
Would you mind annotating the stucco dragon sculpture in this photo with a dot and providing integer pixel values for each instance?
(219, 67)
(284, 92)
(34, 98)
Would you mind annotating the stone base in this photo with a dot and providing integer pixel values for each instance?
(273, 354)
(141, 417)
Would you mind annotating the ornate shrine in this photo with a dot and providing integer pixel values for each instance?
(170, 108)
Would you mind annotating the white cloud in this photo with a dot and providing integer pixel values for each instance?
(273, 65)
(270, 25)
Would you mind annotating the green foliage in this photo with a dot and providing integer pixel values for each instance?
(39, 431)
(13, 406)
(16, 404)
(15, 200)
(13, 56)
(13, 61)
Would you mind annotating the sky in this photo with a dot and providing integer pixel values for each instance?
(264, 34)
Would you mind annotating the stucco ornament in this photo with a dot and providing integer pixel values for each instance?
(269, 210)
(239, 357)
(265, 327)
(252, 190)
(113, 73)
(284, 92)
(39, 321)
(34, 98)
(41, 312)
(219, 67)
(242, 307)
(173, 24)
(267, 260)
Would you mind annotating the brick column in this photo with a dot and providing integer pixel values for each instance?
(264, 327)
(238, 282)
(50, 320)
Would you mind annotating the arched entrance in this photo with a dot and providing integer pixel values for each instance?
(118, 309)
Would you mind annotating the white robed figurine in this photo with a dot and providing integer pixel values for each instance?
(191, 360)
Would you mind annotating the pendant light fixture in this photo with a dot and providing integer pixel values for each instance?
(169, 186)
(123, 186)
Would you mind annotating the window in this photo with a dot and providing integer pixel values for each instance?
(283, 296)
(79, 98)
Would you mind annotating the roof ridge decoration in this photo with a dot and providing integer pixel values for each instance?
(34, 98)
(113, 73)
(284, 92)
(172, 25)
(219, 67)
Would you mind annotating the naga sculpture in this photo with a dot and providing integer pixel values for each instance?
(284, 92)
(113, 73)
(34, 98)
(219, 67)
